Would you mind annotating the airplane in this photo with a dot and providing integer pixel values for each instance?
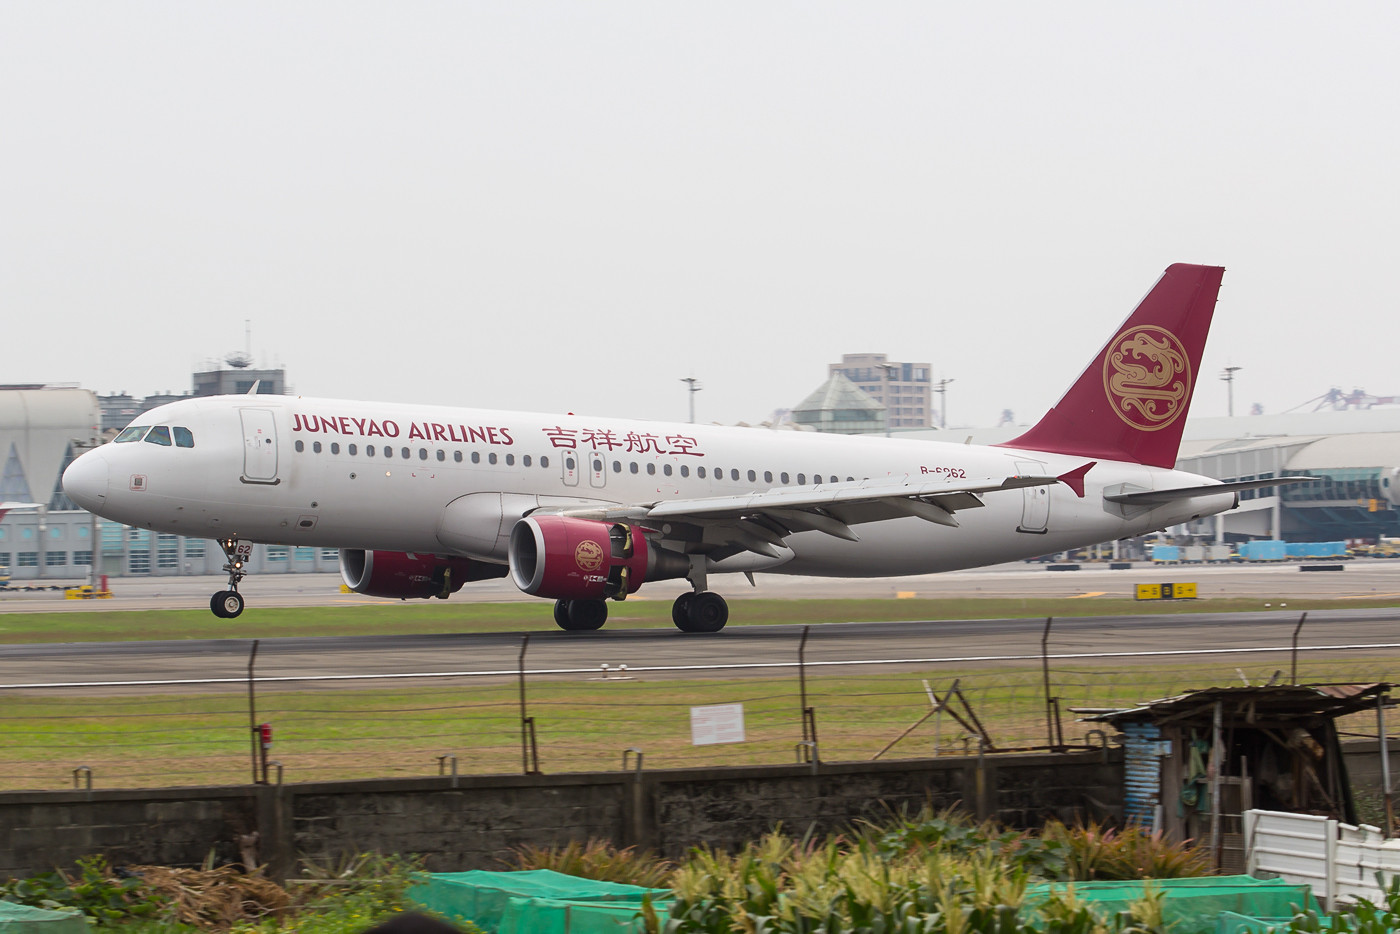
(423, 499)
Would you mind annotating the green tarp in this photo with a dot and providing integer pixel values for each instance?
(22, 919)
(1190, 906)
(566, 904)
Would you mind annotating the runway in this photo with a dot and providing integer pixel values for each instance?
(579, 655)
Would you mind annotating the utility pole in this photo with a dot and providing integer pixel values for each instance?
(1228, 375)
(942, 390)
(693, 386)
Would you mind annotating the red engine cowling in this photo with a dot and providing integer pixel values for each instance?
(581, 559)
(409, 574)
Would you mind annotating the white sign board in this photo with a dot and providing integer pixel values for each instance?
(718, 723)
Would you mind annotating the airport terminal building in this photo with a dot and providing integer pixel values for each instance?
(1354, 456)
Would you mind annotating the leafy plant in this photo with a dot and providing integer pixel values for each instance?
(1093, 851)
(596, 859)
(94, 890)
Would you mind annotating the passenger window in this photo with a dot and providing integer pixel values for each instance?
(184, 438)
(423, 454)
(388, 451)
(351, 450)
(666, 469)
(510, 460)
(405, 453)
(734, 473)
(457, 456)
(651, 469)
(617, 466)
(768, 476)
(369, 450)
(752, 476)
(159, 435)
(801, 479)
(491, 458)
(597, 465)
(476, 457)
(719, 473)
(300, 445)
(685, 470)
(133, 433)
(784, 478)
(544, 462)
(316, 447)
(700, 472)
(525, 460)
(441, 455)
(633, 468)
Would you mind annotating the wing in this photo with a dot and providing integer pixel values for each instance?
(726, 525)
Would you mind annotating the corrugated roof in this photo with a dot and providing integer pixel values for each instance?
(1249, 705)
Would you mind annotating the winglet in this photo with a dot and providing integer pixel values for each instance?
(1075, 478)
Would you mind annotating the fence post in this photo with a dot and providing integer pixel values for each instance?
(1297, 629)
(1385, 765)
(529, 750)
(1052, 710)
(254, 733)
(809, 715)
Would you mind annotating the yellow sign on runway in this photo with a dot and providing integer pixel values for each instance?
(1183, 591)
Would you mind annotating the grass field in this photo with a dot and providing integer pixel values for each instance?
(434, 617)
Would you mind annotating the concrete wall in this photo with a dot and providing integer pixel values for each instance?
(469, 823)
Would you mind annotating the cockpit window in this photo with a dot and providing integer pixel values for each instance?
(133, 433)
(159, 435)
(184, 438)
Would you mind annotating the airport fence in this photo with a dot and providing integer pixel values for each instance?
(124, 734)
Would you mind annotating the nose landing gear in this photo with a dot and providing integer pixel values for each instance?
(226, 604)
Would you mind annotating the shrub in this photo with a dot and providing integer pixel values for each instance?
(597, 859)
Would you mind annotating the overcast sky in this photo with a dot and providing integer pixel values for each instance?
(571, 206)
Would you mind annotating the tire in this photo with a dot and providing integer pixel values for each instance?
(586, 615)
(227, 604)
(561, 614)
(708, 612)
(680, 611)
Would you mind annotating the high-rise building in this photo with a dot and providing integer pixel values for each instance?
(904, 389)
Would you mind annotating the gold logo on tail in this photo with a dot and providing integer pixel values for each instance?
(1147, 377)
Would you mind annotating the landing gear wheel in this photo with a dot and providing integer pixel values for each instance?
(561, 614)
(582, 615)
(703, 612)
(680, 611)
(226, 604)
(708, 612)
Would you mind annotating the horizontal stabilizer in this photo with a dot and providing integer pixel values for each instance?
(1157, 497)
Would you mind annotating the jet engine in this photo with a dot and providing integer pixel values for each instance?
(409, 574)
(582, 559)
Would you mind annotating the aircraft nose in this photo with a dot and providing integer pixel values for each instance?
(85, 481)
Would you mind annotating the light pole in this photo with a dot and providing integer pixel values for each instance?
(942, 390)
(885, 394)
(1228, 375)
(693, 386)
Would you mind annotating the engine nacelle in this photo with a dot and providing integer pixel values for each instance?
(582, 559)
(409, 574)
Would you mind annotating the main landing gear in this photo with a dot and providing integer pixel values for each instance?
(702, 611)
(580, 615)
(226, 604)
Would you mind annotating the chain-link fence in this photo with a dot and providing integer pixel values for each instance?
(223, 731)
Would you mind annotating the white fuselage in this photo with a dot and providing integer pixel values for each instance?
(431, 479)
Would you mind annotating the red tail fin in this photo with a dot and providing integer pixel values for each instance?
(1130, 404)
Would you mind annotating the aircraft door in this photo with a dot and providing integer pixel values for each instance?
(597, 469)
(1035, 505)
(570, 464)
(259, 446)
